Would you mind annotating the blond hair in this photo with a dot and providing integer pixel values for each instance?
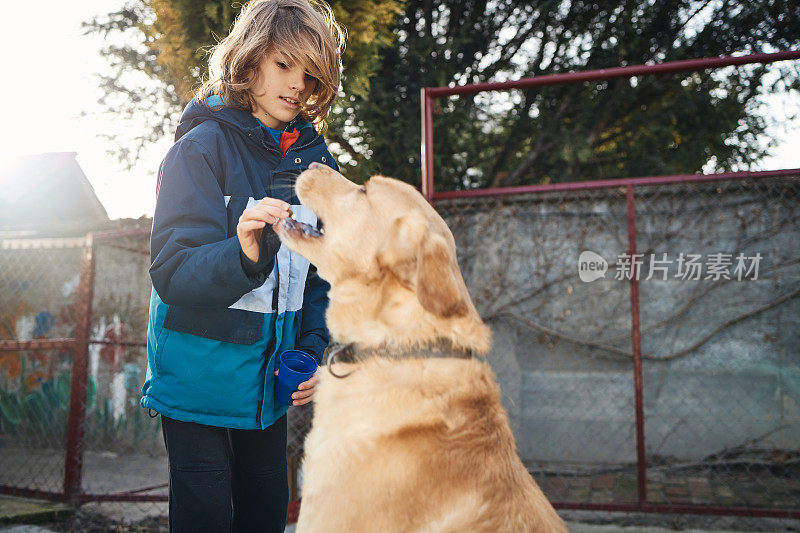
(303, 31)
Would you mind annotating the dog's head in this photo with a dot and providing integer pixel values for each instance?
(388, 256)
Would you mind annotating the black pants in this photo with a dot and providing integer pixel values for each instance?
(223, 480)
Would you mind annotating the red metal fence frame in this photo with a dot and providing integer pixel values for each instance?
(429, 94)
(78, 347)
(72, 491)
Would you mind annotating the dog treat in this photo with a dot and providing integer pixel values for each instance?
(292, 215)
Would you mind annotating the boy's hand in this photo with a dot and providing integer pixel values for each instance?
(305, 391)
(253, 221)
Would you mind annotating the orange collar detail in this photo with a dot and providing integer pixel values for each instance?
(287, 139)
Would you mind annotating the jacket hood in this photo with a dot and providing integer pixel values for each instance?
(196, 113)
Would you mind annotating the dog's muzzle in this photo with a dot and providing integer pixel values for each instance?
(295, 225)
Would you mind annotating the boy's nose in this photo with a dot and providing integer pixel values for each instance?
(298, 83)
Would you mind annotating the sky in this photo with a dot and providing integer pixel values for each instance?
(50, 69)
(49, 81)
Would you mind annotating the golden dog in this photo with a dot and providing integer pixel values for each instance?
(403, 442)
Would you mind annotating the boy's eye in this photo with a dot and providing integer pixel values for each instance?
(281, 64)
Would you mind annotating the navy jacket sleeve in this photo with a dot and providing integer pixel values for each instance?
(313, 336)
(194, 262)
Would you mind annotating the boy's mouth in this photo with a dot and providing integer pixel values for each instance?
(291, 101)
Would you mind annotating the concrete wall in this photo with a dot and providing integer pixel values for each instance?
(570, 400)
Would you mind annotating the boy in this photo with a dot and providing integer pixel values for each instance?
(227, 299)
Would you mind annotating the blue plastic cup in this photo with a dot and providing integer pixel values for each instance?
(295, 368)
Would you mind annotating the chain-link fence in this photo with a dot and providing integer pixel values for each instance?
(104, 449)
(38, 305)
(645, 338)
(717, 272)
(124, 460)
(99, 444)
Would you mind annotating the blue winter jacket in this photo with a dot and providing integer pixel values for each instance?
(217, 320)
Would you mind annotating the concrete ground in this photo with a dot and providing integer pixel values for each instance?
(21, 515)
(106, 473)
(574, 528)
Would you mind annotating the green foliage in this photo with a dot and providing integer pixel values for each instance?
(651, 125)
(368, 24)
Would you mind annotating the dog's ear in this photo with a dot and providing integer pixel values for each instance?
(421, 261)
(398, 254)
(438, 280)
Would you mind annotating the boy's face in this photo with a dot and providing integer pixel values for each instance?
(280, 90)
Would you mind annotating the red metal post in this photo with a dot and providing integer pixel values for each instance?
(426, 149)
(73, 461)
(641, 460)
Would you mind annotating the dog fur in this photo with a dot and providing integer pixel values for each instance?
(403, 443)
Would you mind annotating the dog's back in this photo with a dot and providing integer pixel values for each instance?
(417, 445)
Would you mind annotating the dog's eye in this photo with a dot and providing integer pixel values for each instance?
(363, 189)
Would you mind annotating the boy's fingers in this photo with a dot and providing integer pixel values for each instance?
(268, 211)
(310, 384)
(299, 395)
(251, 225)
(252, 214)
(269, 214)
(280, 204)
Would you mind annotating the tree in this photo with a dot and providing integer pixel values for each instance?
(653, 125)
(646, 126)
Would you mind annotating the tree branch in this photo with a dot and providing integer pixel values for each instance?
(676, 355)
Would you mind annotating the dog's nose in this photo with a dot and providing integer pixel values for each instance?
(314, 164)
